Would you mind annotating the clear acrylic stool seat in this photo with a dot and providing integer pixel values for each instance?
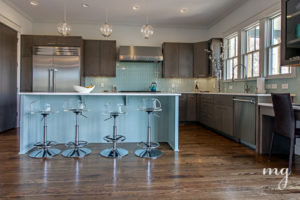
(77, 148)
(44, 149)
(114, 152)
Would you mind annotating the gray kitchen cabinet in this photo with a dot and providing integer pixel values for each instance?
(100, 58)
(191, 107)
(178, 60)
(182, 108)
(170, 63)
(187, 108)
(186, 60)
(201, 60)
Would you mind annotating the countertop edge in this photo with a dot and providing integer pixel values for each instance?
(96, 94)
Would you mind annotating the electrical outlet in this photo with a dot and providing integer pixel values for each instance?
(285, 86)
(268, 86)
(274, 86)
(102, 85)
(214, 85)
(230, 87)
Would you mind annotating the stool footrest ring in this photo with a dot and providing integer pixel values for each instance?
(48, 144)
(145, 145)
(110, 138)
(80, 144)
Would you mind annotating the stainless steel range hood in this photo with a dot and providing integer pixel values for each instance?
(140, 54)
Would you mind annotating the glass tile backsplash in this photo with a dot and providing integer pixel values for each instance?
(138, 76)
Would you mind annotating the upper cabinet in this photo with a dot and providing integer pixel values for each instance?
(100, 58)
(178, 60)
(201, 61)
(185, 60)
(290, 32)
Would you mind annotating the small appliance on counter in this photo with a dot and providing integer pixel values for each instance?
(261, 85)
(153, 87)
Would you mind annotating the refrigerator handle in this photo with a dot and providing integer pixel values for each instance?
(49, 80)
(53, 80)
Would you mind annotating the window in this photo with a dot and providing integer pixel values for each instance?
(251, 51)
(273, 47)
(231, 56)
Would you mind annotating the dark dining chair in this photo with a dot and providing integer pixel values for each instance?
(285, 123)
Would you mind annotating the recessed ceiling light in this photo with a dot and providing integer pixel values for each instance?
(34, 3)
(135, 7)
(183, 10)
(84, 5)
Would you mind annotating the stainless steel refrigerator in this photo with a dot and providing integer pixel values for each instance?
(56, 69)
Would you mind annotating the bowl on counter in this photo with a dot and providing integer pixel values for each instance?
(84, 90)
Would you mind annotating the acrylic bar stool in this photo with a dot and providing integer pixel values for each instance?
(44, 149)
(149, 148)
(114, 111)
(77, 148)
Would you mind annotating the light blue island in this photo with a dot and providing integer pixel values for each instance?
(133, 125)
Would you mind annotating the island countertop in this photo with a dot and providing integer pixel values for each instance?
(100, 94)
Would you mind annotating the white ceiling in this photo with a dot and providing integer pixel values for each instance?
(162, 13)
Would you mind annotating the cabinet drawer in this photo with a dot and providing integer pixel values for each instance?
(224, 100)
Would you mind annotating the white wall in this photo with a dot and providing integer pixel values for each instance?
(246, 11)
(128, 35)
(14, 19)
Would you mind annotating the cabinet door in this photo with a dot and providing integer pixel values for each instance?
(191, 108)
(199, 110)
(227, 120)
(44, 40)
(183, 108)
(170, 63)
(201, 61)
(26, 74)
(218, 116)
(26, 45)
(108, 57)
(186, 60)
(91, 58)
(70, 41)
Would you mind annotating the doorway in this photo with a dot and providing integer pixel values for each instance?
(8, 78)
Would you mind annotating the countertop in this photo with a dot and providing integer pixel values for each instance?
(100, 94)
(232, 94)
(296, 107)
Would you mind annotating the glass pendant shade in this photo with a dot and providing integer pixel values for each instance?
(106, 29)
(147, 30)
(64, 29)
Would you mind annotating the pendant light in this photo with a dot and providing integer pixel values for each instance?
(63, 28)
(106, 28)
(147, 30)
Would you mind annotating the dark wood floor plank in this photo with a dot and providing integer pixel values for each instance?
(208, 166)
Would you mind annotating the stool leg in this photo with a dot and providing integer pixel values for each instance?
(149, 131)
(114, 152)
(114, 135)
(44, 150)
(77, 151)
(76, 131)
(148, 151)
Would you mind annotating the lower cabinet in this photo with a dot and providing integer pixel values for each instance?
(187, 108)
(216, 112)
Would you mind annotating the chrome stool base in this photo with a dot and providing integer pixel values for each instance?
(44, 153)
(111, 153)
(76, 152)
(148, 153)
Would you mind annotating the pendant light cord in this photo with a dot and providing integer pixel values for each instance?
(65, 11)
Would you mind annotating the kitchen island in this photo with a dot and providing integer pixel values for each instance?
(133, 125)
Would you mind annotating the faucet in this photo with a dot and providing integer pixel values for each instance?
(233, 68)
(246, 88)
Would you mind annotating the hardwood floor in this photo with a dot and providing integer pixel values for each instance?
(208, 166)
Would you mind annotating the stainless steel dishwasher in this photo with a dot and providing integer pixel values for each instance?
(245, 120)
